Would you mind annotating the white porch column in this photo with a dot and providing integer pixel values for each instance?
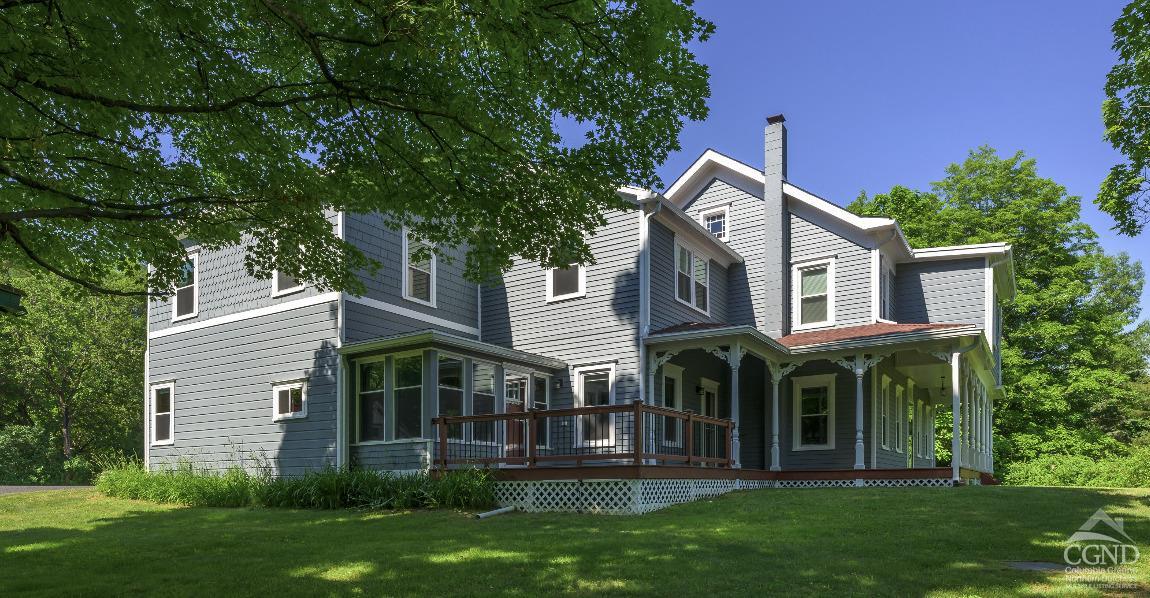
(956, 411)
(860, 452)
(777, 371)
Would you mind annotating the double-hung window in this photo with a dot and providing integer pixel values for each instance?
(186, 301)
(289, 400)
(566, 283)
(450, 389)
(814, 294)
(899, 419)
(163, 408)
(885, 409)
(418, 270)
(692, 278)
(814, 412)
(408, 396)
(372, 400)
(483, 399)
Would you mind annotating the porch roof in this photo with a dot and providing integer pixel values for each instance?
(842, 338)
(883, 330)
(443, 339)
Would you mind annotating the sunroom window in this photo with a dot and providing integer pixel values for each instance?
(409, 396)
(372, 396)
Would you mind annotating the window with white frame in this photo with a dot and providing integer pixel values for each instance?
(692, 278)
(289, 400)
(884, 429)
(163, 409)
(899, 419)
(418, 270)
(595, 386)
(285, 284)
(408, 396)
(566, 283)
(672, 433)
(483, 399)
(186, 301)
(716, 222)
(888, 295)
(814, 294)
(371, 403)
(450, 392)
(814, 412)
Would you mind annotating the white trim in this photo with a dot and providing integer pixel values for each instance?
(407, 273)
(171, 386)
(953, 251)
(988, 301)
(796, 293)
(797, 386)
(247, 315)
(694, 255)
(288, 385)
(708, 158)
(411, 313)
(278, 292)
(875, 286)
(391, 404)
(577, 375)
(900, 419)
(829, 208)
(725, 210)
(580, 292)
(193, 255)
(884, 413)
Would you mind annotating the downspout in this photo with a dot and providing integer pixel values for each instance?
(955, 406)
(645, 377)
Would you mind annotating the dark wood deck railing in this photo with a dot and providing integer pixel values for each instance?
(607, 434)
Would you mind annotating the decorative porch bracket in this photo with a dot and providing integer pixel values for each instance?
(733, 357)
(653, 364)
(859, 365)
(777, 371)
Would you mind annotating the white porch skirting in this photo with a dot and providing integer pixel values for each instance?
(637, 496)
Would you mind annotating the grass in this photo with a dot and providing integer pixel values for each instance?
(944, 542)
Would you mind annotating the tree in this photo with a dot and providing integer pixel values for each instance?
(1072, 351)
(126, 127)
(1125, 193)
(73, 367)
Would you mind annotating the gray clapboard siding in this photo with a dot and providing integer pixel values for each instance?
(600, 327)
(942, 292)
(747, 235)
(666, 309)
(365, 322)
(395, 456)
(852, 267)
(842, 456)
(455, 296)
(223, 377)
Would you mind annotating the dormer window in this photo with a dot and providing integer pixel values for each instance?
(418, 270)
(692, 278)
(715, 222)
(814, 294)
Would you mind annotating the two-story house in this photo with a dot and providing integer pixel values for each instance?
(734, 331)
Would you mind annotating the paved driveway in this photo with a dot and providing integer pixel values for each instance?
(19, 489)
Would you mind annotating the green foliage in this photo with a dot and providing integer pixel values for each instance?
(1074, 355)
(73, 372)
(1126, 114)
(1127, 471)
(129, 126)
(188, 484)
(24, 455)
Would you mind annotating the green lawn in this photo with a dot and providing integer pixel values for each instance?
(799, 542)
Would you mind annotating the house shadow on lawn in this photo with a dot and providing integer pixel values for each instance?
(797, 542)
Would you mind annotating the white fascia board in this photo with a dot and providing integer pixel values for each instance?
(715, 333)
(706, 163)
(832, 209)
(959, 251)
(888, 339)
(434, 337)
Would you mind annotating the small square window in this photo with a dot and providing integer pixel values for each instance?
(289, 400)
(284, 284)
(566, 283)
(716, 223)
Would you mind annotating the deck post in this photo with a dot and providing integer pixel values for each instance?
(442, 429)
(532, 437)
(860, 450)
(956, 413)
(690, 437)
(734, 359)
(775, 381)
(637, 437)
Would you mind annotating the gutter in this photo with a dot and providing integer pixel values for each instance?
(645, 287)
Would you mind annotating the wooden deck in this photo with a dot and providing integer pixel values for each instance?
(672, 472)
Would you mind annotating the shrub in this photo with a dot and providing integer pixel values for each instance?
(329, 488)
(26, 455)
(1127, 471)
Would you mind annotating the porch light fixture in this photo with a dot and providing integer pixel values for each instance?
(558, 383)
(941, 387)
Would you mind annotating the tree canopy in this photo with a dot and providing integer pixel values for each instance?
(126, 127)
(1125, 193)
(1074, 353)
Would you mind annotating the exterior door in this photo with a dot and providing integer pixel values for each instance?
(710, 407)
(595, 429)
(515, 400)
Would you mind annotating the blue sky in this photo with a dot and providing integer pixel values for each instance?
(884, 93)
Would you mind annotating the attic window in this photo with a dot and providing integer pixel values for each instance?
(715, 221)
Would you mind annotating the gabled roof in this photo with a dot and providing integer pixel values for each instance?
(443, 339)
(677, 220)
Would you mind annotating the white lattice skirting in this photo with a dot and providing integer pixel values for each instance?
(629, 497)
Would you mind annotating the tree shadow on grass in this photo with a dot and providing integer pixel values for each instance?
(798, 542)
